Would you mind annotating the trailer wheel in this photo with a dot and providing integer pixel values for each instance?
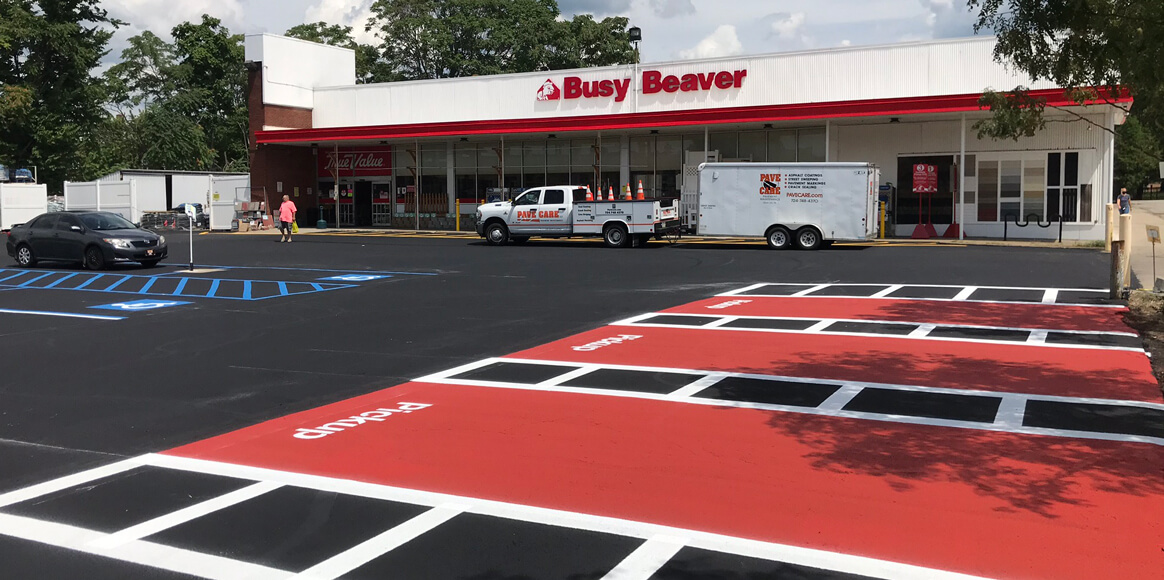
(614, 236)
(496, 234)
(778, 237)
(808, 238)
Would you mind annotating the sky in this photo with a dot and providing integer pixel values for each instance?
(672, 29)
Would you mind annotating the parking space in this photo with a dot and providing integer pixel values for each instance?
(77, 293)
(755, 433)
(572, 412)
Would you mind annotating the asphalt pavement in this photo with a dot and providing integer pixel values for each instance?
(100, 369)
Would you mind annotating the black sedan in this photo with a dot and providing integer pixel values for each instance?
(92, 238)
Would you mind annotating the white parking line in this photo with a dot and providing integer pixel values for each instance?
(73, 480)
(137, 551)
(148, 528)
(369, 550)
(814, 558)
(833, 406)
(60, 314)
(642, 563)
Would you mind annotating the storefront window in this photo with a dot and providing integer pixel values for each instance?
(1034, 184)
(726, 144)
(810, 145)
(1010, 192)
(753, 146)
(434, 155)
(782, 146)
(642, 154)
(988, 191)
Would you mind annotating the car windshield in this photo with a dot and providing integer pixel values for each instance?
(106, 221)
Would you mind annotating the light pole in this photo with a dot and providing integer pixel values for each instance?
(636, 36)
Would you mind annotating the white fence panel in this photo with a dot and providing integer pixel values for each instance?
(20, 202)
(82, 196)
(118, 197)
(226, 190)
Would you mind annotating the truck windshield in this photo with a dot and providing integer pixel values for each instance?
(528, 198)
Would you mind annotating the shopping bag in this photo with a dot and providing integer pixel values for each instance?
(294, 227)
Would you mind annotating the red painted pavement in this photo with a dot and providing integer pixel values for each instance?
(992, 504)
(1018, 368)
(1042, 316)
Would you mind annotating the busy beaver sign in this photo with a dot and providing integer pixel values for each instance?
(653, 82)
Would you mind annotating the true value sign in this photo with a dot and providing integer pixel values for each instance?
(362, 162)
(653, 82)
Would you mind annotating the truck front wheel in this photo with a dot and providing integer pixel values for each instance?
(807, 238)
(614, 236)
(778, 237)
(496, 234)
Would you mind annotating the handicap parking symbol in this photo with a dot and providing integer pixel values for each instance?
(140, 305)
(355, 278)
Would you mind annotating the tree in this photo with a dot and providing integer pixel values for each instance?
(1084, 45)
(341, 36)
(426, 39)
(211, 88)
(50, 103)
(145, 74)
(1137, 161)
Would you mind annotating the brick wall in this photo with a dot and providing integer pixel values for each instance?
(272, 164)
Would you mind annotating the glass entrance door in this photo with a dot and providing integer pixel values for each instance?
(382, 193)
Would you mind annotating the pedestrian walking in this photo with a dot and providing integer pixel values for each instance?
(287, 211)
(1125, 201)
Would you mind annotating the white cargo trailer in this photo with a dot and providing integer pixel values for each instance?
(801, 204)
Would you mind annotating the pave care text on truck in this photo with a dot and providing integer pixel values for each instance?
(562, 211)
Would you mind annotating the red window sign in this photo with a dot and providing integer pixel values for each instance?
(925, 178)
(361, 162)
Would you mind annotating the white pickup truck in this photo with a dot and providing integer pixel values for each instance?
(562, 211)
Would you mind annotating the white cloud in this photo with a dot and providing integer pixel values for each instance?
(722, 42)
(788, 26)
(672, 8)
(345, 12)
(948, 19)
(846, 42)
(160, 16)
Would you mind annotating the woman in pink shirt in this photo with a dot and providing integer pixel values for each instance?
(287, 211)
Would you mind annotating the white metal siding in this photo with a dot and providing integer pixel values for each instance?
(964, 66)
(292, 68)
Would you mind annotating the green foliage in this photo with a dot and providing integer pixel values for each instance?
(178, 106)
(1113, 44)
(1139, 153)
(50, 104)
(428, 39)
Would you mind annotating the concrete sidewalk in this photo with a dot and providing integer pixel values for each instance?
(1145, 213)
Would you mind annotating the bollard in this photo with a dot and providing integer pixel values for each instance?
(1115, 281)
(1109, 226)
(1125, 228)
(458, 214)
(882, 206)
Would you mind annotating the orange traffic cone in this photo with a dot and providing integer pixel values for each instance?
(611, 198)
(641, 196)
(626, 192)
(589, 194)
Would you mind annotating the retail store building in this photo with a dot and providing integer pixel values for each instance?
(411, 154)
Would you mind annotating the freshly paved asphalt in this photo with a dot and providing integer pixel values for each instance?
(79, 393)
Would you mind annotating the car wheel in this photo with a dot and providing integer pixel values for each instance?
(808, 238)
(94, 259)
(24, 256)
(778, 238)
(496, 234)
(150, 263)
(614, 236)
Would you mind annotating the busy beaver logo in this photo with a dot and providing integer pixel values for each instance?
(549, 91)
(770, 184)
